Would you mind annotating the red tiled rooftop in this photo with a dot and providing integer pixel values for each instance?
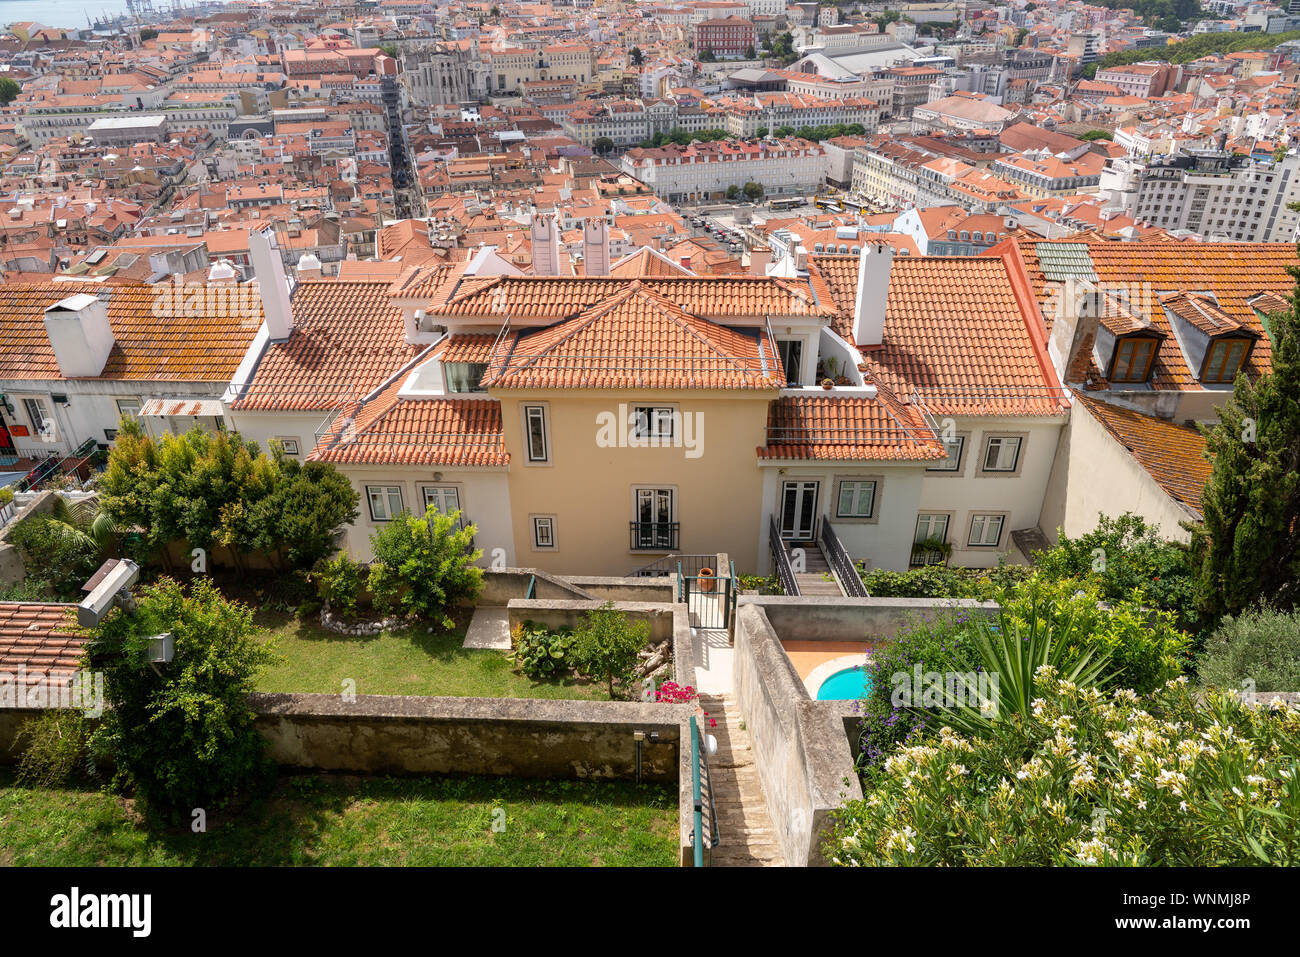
(43, 639)
(848, 428)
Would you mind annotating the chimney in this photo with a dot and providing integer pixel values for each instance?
(309, 267)
(1074, 330)
(874, 265)
(272, 284)
(595, 247)
(545, 233)
(80, 335)
(758, 260)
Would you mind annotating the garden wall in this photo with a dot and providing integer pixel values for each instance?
(658, 589)
(855, 619)
(804, 762)
(501, 586)
(12, 570)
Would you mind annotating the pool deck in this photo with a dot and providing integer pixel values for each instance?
(808, 655)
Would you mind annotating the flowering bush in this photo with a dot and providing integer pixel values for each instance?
(670, 692)
(1090, 778)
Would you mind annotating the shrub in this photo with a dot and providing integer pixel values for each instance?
(338, 580)
(670, 692)
(57, 547)
(542, 653)
(425, 566)
(300, 519)
(54, 745)
(6, 496)
(1261, 645)
(605, 645)
(941, 581)
(1090, 778)
(1125, 554)
(181, 735)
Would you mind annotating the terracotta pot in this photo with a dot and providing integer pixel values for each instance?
(706, 580)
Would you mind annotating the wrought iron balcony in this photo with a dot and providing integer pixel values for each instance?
(654, 536)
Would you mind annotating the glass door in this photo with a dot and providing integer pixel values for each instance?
(799, 511)
(654, 516)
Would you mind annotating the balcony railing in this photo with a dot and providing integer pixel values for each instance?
(654, 536)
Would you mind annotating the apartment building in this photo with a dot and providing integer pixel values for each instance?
(775, 110)
(1040, 174)
(1209, 194)
(1141, 79)
(704, 170)
(727, 38)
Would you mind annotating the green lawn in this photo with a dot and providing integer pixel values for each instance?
(334, 820)
(399, 663)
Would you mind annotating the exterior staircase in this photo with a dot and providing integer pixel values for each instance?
(817, 577)
(747, 836)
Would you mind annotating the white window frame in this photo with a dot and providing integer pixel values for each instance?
(657, 416)
(917, 537)
(873, 515)
(984, 519)
(123, 413)
(1002, 438)
(536, 524)
(440, 494)
(385, 492)
(38, 414)
(526, 416)
(959, 464)
(288, 443)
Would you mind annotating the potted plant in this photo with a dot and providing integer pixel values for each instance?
(931, 551)
(827, 384)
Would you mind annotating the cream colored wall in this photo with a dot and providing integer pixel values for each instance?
(484, 500)
(1093, 474)
(260, 427)
(589, 488)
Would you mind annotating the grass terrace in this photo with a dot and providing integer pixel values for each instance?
(345, 820)
(314, 660)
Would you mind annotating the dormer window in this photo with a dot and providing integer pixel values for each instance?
(465, 376)
(1133, 359)
(1224, 359)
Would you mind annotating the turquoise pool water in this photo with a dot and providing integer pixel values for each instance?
(847, 685)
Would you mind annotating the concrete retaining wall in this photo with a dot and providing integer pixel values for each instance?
(854, 619)
(803, 758)
(659, 589)
(501, 586)
(12, 569)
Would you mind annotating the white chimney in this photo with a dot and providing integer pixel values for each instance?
(309, 266)
(545, 234)
(595, 247)
(272, 284)
(758, 260)
(874, 265)
(80, 335)
(222, 271)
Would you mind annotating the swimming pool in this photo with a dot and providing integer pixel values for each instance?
(848, 684)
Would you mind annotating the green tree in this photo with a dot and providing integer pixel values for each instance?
(181, 734)
(707, 56)
(1248, 549)
(603, 145)
(753, 191)
(390, 49)
(299, 521)
(750, 53)
(1097, 135)
(762, 132)
(606, 643)
(637, 56)
(9, 90)
(733, 192)
(424, 566)
(65, 546)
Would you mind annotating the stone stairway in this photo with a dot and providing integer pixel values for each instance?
(748, 838)
(816, 578)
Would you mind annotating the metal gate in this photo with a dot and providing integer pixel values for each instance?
(711, 597)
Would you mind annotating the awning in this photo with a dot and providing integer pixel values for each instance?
(182, 407)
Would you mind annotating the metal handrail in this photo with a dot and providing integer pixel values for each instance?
(781, 558)
(669, 564)
(532, 587)
(697, 824)
(714, 837)
(842, 566)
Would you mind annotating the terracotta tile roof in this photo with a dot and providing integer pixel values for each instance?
(1229, 275)
(848, 428)
(204, 348)
(390, 430)
(636, 338)
(556, 298)
(646, 262)
(347, 340)
(1201, 312)
(956, 336)
(42, 638)
(466, 348)
(1173, 455)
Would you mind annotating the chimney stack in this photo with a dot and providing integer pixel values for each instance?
(309, 267)
(272, 284)
(874, 265)
(758, 260)
(1074, 329)
(595, 246)
(545, 235)
(80, 335)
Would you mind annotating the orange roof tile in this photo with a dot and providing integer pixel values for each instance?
(956, 336)
(207, 347)
(848, 428)
(347, 339)
(636, 338)
(41, 638)
(1173, 455)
